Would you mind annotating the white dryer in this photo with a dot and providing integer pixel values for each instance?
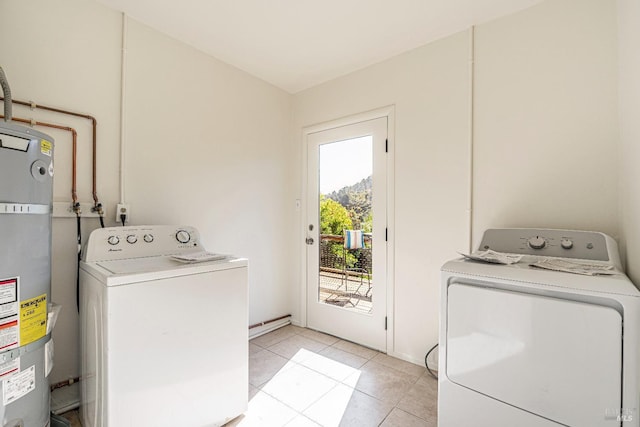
(164, 342)
(521, 346)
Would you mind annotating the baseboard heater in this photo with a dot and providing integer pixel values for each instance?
(262, 328)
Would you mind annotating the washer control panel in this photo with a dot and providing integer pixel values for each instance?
(114, 243)
(588, 245)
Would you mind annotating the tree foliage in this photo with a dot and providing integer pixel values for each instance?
(367, 223)
(333, 217)
(346, 209)
(356, 199)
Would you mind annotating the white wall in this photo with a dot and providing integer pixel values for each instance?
(429, 87)
(629, 88)
(544, 140)
(207, 144)
(546, 119)
(66, 53)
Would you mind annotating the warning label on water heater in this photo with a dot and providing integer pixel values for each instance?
(18, 385)
(46, 147)
(9, 368)
(9, 330)
(33, 319)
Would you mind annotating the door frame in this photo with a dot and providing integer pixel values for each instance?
(387, 112)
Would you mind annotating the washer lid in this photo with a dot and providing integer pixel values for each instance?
(139, 265)
(125, 272)
(155, 264)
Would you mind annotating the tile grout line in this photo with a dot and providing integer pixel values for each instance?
(301, 413)
(295, 332)
(346, 351)
(341, 382)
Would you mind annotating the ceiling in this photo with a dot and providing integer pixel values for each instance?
(297, 44)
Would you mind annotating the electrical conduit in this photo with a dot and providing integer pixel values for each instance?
(123, 86)
(471, 128)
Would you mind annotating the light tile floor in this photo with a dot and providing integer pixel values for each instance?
(299, 377)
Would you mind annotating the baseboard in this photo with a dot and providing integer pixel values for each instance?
(265, 329)
(433, 359)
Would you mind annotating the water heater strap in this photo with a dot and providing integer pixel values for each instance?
(13, 354)
(23, 208)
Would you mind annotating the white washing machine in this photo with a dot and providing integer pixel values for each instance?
(164, 342)
(521, 346)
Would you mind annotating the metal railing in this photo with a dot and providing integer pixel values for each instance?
(333, 257)
(345, 274)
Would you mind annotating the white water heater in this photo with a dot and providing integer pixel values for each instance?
(26, 187)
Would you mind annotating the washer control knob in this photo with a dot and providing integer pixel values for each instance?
(148, 238)
(113, 240)
(566, 243)
(132, 238)
(183, 236)
(537, 242)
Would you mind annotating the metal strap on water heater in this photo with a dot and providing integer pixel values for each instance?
(15, 353)
(24, 208)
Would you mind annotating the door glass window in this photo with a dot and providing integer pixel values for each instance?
(345, 276)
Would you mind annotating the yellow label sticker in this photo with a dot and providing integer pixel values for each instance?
(33, 319)
(46, 147)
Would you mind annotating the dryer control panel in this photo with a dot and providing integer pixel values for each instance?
(589, 245)
(113, 243)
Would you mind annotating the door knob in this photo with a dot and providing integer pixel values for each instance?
(309, 240)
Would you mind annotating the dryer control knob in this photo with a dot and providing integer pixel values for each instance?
(148, 238)
(537, 242)
(132, 238)
(113, 240)
(183, 236)
(566, 243)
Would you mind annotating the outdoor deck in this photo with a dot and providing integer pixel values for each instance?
(350, 288)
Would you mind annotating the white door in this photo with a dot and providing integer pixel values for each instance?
(347, 232)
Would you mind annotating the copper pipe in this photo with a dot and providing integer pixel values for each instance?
(6, 90)
(256, 325)
(64, 383)
(74, 194)
(94, 124)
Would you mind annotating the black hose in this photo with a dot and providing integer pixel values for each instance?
(101, 221)
(427, 365)
(79, 258)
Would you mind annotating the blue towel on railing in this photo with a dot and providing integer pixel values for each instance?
(353, 239)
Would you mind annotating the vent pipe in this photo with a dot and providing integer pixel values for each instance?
(7, 96)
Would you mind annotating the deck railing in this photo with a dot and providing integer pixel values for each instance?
(345, 275)
(334, 259)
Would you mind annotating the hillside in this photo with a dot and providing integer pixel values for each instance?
(356, 199)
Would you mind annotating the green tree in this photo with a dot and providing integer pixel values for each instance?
(356, 199)
(333, 217)
(367, 223)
